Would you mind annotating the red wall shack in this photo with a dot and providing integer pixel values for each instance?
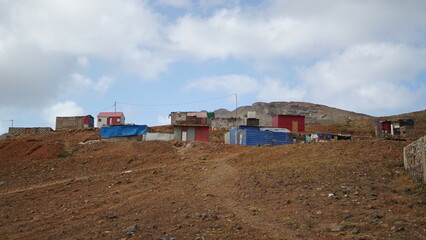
(202, 134)
(289, 121)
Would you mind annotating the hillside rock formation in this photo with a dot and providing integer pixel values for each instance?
(314, 113)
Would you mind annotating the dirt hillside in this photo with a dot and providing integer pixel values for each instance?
(52, 187)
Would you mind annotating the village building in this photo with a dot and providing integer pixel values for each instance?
(110, 119)
(258, 136)
(401, 127)
(16, 131)
(294, 123)
(74, 122)
(227, 123)
(191, 126)
(249, 119)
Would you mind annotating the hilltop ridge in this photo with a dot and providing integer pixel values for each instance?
(314, 113)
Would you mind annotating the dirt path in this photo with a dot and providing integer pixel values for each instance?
(220, 183)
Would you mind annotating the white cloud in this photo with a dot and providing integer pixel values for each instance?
(206, 4)
(61, 109)
(163, 120)
(240, 84)
(275, 90)
(306, 29)
(83, 61)
(43, 42)
(147, 64)
(80, 83)
(368, 78)
(175, 3)
(265, 90)
(103, 84)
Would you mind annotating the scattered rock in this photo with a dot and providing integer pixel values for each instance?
(319, 212)
(237, 227)
(127, 172)
(330, 194)
(200, 237)
(377, 215)
(131, 229)
(1, 183)
(337, 228)
(346, 191)
(167, 238)
(399, 223)
(400, 229)
(108, 215)
(356, 231)
(215, 226)
(346, 215)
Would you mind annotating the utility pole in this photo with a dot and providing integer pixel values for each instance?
(236, 105)
(115, 106)
(12, 122)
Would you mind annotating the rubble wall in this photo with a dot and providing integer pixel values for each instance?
(16, 131)
(415, 159)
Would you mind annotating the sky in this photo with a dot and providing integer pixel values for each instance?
(79, 57)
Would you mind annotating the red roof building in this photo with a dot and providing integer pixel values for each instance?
(294, 123)
(110, 119)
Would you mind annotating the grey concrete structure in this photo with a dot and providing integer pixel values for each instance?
(415, 159)
(227, 123)
(158, 136)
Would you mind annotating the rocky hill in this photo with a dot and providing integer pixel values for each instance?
(314, 113)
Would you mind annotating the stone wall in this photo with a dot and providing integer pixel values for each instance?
(227, 123)
(16, 131)
(415, 159)
(158, 137)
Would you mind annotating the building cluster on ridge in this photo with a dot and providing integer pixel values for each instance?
(196, 126)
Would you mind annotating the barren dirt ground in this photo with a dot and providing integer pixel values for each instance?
(54, 188)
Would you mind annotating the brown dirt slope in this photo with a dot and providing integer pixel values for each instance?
(336, 190)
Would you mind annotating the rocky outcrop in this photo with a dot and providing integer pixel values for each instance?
(314, 113)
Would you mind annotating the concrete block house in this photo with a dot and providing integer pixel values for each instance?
(75, 122)
(191, 126)
(110, 119)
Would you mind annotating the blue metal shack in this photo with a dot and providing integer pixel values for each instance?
(122, 131)
(235, 134)
(252, 136)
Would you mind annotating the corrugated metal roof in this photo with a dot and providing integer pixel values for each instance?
(110, 114)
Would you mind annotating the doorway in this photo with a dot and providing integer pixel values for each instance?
(295, 126)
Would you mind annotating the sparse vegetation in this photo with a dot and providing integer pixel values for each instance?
(65, 154)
